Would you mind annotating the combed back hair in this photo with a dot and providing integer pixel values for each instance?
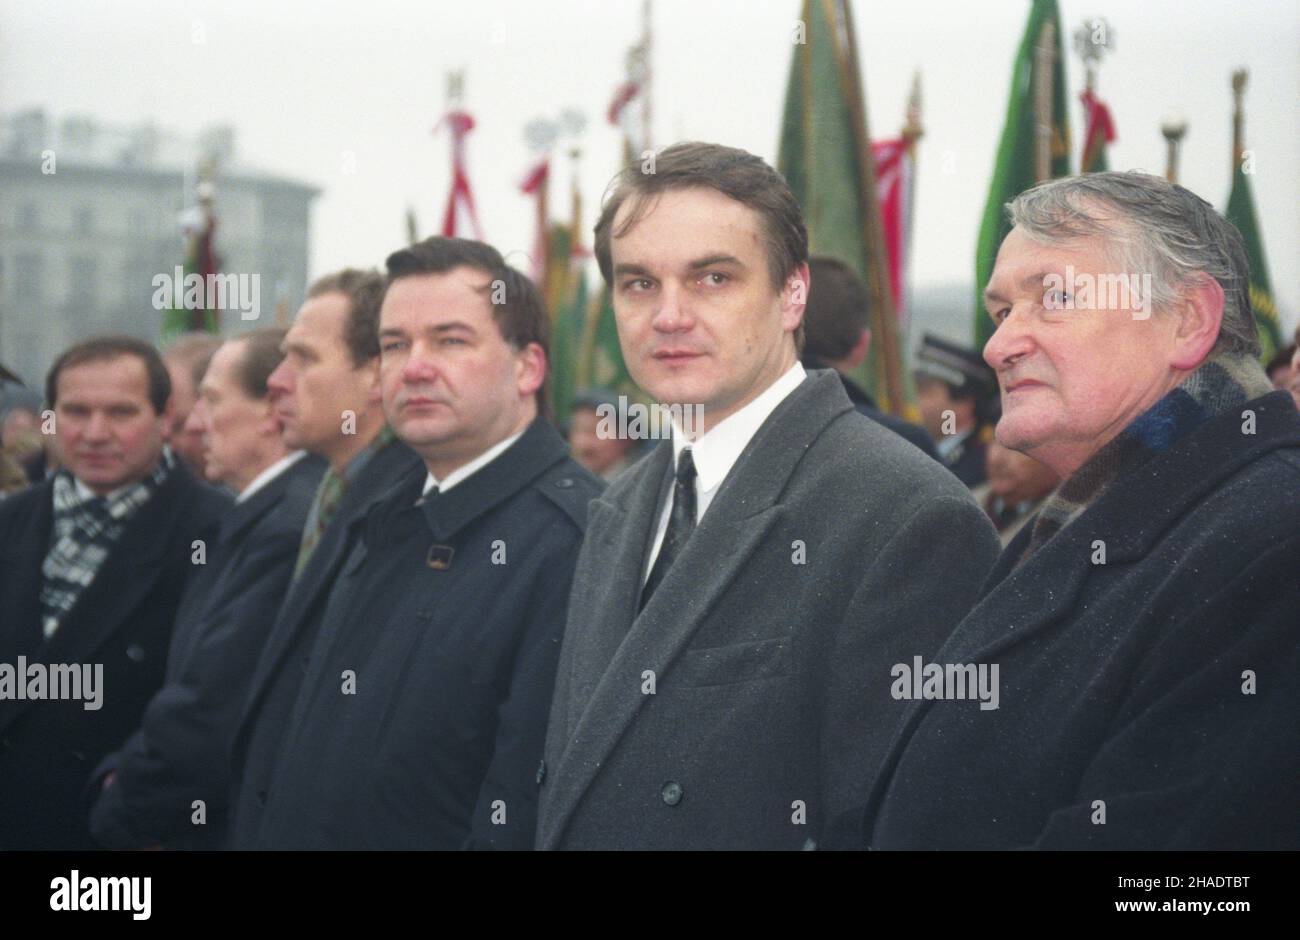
(517, 305)
(101, 348)
(838, 305)
(364, 291)
(260, 357)
(192, 351)
(1149, 226)
(737, 174)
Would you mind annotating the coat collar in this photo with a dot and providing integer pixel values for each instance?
(1130, 517)
(615, 647)
(243, 516)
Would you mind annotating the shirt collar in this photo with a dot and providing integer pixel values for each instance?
(85, 493)
(269, 474)
(717, 451)
(462, 472)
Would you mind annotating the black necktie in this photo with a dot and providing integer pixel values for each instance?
(681, 523)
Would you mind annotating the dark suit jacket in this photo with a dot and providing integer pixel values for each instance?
(1122, 683)
(866, 405)
(439, 745)
(969, 462)
(280, 669)
(181, 753)
(123, 621)
(742, 708)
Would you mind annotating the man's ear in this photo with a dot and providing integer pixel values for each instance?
(794, 297)
(859, 350)
(374, 387)
(1200, 317)
(530, 369)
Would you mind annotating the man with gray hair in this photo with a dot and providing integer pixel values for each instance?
(1147, 621)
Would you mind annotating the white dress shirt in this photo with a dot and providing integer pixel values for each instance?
(269, 474)
(717, 451)
(467, 470)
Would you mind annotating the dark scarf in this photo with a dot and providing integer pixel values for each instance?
(84, 532)
(1221, 383)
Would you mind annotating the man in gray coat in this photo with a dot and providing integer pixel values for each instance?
(743, 592)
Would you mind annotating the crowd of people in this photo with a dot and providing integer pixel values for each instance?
(346, 586)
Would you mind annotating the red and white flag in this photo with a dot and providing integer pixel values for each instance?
(894, 176)
(532, 185)
(461, 216)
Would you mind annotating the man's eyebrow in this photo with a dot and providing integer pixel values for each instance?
(391, 331)
(449, 327)
(628, 268)
(1035, 279)
(710, 260)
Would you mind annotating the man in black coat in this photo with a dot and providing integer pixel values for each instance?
(421, 719)
(742, 590)
(92, 565)
(956, 394)
(326, 394)
(169, 783)
(1145, 625)
(836, 337)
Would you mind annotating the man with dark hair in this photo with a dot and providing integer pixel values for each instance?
(742, 591)
(326, 395)
(837, 338)
(954, 389)
(180, 754)
(187, 358)
(92, 565)
(421, 719)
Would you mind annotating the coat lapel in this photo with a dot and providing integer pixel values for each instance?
(745, 509)
(128, 575)
(1129, 519)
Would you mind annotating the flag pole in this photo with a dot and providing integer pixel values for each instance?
(1043, 56)
(883, 316)
(1239, 78)
(1173, 131)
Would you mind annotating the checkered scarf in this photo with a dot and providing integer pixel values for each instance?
(85, 530)
(1221, 383)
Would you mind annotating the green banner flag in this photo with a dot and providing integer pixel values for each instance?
(1014, 170)
(1241, 213)
(822, 145)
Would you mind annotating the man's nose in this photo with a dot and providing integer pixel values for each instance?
(279, 381)
(673, 314)
(197, 421)
(1010, 342)
(420, 366)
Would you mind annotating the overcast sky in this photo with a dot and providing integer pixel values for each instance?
(307, 83)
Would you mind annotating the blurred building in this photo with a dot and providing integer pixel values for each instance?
(90, 215)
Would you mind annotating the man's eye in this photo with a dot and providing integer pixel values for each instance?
(391, 345)
(717, 277)
(637, 284)
(453, 341)
(1000, 315)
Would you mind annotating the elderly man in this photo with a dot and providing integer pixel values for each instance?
(181, 752)
(1146, 623)
(187, 358)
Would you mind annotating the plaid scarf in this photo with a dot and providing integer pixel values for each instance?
(1221, 383)
(84, 532)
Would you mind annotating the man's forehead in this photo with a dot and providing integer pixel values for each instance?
(123, 375)
(430, 299)
(705, 221)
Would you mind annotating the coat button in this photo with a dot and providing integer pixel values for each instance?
(564, 483)
(672, 793)
(135, 653)
(541, 772)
